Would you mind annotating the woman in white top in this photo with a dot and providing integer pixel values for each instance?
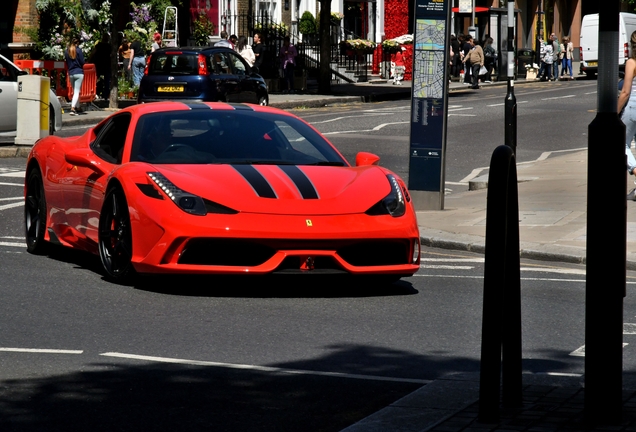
(567, 53)
(628, 103)
(245, 50)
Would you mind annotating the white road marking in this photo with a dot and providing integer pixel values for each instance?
(629, 329)
(10, 244)
(559, 97)
(12, 198)
(8, 206)
(460, 109)
(580, 352)
(347, 118)
(476, 260)
(19, 174)
(39, 350)
(11, 184)
(262, 368)
(446, 267)
(378, 127)
(563, 374)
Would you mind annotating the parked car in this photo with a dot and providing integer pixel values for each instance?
(588, 47)
(9, 74)
(217, 188)
(207, 74)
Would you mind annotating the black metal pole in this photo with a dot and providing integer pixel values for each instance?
(537, 54)
(510, 115)
(606, 219)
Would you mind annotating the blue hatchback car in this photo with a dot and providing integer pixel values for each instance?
(207, 74)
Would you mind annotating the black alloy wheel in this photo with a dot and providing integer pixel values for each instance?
(35, 213)
(115, 237)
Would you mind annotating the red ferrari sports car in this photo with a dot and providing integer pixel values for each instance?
(216, 188)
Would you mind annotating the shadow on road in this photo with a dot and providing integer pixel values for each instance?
(250, 286)
(119, 396)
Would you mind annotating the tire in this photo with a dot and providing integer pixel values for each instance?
(35, 214)
(51, 120)
(263, 101)
(115, 237)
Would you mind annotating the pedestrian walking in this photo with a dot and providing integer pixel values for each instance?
(245, 50)
(455, 58)
(474, 58)
(547, 60)
(138, 61)
(490, 58)
(156, 43)
(101, 59)
(287, 57)
(124, 54)
(567, 53)
(466, 47)
(556, 56)
(627, 104)
(224, 40)
(75, 64)
(399, 68)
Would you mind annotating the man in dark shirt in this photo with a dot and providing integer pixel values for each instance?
(101, 58)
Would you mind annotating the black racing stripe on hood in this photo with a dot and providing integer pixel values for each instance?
(302, 182)
(196, 105)
(256, 180)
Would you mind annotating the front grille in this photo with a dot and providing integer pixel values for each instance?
(244, 252)
(376, 253)
(225, 252)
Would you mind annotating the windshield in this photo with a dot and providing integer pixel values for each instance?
(229, 137)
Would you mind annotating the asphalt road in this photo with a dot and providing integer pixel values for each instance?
(192, 353)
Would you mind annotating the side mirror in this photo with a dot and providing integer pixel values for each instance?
(366, 158)
(85, 159)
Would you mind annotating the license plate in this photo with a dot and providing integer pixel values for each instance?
(592, 63)
(171, 88)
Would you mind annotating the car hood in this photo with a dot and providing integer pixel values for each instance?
(283, 189)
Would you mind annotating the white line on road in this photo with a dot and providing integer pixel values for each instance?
(446, 267)
(11, 184)
(38, 350)
(8, 206)
(460, 109)
(559, 97)
(10, 244)
(378, 127)
(19, 174)
(475, 260)
(580, 352)
(12, 198)
(263, 368)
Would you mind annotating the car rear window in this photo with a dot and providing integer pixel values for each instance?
(174, 63)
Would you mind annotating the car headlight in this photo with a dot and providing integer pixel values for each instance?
(185, 201)
(394, 203)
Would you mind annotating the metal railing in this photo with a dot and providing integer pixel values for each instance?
(345, 66)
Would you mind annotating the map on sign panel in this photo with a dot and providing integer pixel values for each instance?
(429, 53)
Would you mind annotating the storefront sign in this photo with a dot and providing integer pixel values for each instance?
(429, 103)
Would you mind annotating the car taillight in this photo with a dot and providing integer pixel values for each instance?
(147, 63)
(203, 68)
(581, 53)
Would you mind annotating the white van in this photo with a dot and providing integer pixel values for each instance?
(588, 47)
